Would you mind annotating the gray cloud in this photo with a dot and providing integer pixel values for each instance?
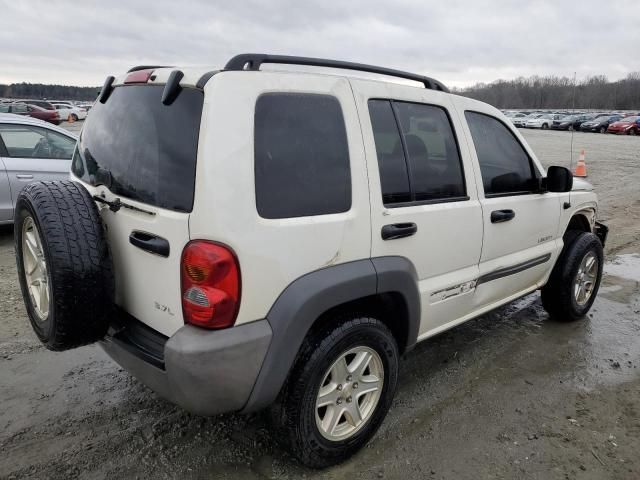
(459, 42)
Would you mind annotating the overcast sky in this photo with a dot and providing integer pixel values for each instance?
(80, 42)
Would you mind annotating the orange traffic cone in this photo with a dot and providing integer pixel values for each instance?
(581, 167)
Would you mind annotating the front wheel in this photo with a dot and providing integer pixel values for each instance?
(338, 392)
(633, 131)
(571, 129)
(575, 279)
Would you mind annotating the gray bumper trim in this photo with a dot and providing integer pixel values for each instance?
(206, 372)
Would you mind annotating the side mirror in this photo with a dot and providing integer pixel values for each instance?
(559, 179)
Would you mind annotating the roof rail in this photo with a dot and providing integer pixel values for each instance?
(252, 61)
(146, 67)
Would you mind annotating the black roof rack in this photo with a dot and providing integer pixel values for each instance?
(252, 61)
(146, 67)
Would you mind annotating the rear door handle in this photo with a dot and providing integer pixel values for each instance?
(20, 176)
(398, 230)
(499, 216)
(150, 243)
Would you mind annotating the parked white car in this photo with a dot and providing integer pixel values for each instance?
(516, 118)
(277, 238)
(70, 112)
(30, 150)
(543, 120)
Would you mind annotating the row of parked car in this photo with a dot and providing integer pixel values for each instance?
(52, 112)
(621, 123)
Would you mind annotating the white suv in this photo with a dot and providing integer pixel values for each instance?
(241, 238)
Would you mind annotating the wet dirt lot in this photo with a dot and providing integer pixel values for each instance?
(508, 395)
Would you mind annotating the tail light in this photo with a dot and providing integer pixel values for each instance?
(210, 285)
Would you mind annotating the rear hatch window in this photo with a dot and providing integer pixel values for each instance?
(141, 149)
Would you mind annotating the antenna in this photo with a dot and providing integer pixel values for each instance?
(573, 108)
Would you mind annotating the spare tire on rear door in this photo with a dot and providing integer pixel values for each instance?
(64, 265)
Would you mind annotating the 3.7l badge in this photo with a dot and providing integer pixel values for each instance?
(163, 308)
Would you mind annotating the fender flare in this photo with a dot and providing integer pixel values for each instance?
(307, 298)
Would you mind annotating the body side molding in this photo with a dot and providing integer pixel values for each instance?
(520, 267)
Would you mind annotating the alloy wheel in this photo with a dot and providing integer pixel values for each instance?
(349, 393)
(586, 278)
(35, 268)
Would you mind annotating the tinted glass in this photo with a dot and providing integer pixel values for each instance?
(25, 141)
(434, 162)
(142, 149)
(19, 109)
(505, 165)
(394, 179)
(301, 156)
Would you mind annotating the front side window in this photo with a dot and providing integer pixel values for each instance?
(418, 157)
(25, 141)
(504, 163)
(301, 156)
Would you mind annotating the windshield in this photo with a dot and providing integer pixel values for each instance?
(142, 149)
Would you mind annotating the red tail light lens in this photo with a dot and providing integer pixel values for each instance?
(210, 285)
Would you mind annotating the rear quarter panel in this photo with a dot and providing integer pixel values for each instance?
(271, 252)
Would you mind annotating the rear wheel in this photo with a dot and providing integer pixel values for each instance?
(338, 392)
(603, 129)
(63, 262)
(570, 128)
(575, 279)
(544, 126)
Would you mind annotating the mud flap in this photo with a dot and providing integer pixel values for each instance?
(601, 231)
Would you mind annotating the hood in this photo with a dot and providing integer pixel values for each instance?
(581, 185)
(621, 123)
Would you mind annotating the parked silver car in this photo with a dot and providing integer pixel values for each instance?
(30, 150)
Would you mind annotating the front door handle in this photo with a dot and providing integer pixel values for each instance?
(150, 243)
(499, 216)
(21, 176)
(398, 230)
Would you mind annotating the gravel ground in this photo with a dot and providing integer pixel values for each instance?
(508, 395)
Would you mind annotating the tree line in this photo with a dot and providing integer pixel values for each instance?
(595, 92)
(42, 91)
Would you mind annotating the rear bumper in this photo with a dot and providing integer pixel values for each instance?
(205, 372)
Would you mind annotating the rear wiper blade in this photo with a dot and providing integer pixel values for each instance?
(117, 204)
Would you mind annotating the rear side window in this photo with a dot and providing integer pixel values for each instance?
(142, 149)
(301, 156)
(418, 157)
(505, 165)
